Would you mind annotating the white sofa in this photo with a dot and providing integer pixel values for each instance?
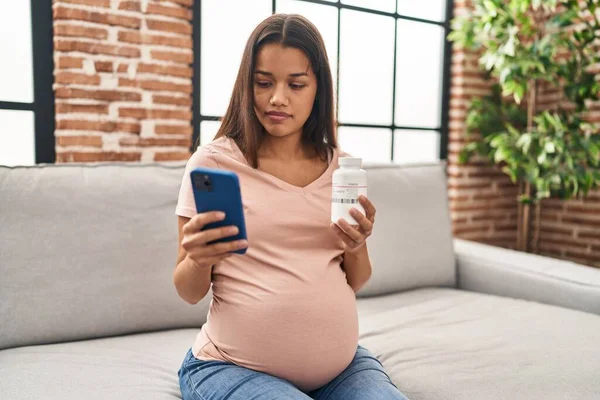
(89, 310)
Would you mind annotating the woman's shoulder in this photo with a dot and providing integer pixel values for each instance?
(213, 154)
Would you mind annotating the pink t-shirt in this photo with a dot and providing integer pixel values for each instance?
(284, 307)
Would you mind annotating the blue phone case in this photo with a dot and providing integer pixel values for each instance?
(222, 194)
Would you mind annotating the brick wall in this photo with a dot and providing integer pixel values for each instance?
(570, 229)
(483, 200)
(123, 80)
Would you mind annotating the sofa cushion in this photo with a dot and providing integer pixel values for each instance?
(89, 251)
(411, 244)
(449, 344)
(140, 366)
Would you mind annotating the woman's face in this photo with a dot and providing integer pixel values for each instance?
(284, 89)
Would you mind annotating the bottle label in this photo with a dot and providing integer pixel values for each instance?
(343, 199)
(347, 194)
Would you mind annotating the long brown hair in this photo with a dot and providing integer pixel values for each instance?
(240, 121)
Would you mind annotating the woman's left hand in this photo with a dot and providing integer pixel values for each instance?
(355, 236)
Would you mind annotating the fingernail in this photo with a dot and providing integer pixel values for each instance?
(220, 215)
(353, 211)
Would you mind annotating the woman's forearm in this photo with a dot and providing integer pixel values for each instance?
(357, 266)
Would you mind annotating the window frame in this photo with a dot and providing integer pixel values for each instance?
(43, 78)
(443, 130)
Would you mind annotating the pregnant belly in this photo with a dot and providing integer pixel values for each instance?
(307, 338)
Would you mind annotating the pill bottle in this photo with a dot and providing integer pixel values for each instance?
(348, 182)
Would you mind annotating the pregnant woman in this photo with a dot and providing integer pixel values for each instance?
(282, 322)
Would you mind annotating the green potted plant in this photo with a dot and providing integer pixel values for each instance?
(523, 44)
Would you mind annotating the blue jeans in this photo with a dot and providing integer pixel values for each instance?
(363, 379)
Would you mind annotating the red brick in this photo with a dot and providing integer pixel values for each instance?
(184, 58)
(173, 70)
(184, 28)
(156, 85)
(104, 95)
(594, 235)
(555, 229)
(129, 127)
(462, 185)
(500, 205)
(95, 3)
(564, 243)
(83, 125)
(552, 207)
(176, 100)
(490, 173)
(177, 12)
(506, 226)
(491, 196)
(96, 48)
(80, 31)
(492, 216)
(148, 142)
(457, 198)
(75, 77)
(140, 38)
(94, 141)
(63, 108)
(551, 216)
(130, 6)
(104, 66)
(65, 62)
(187, 3)
(145, 113)
(581, 221)
(173, 129)
(471, 229)
(172, 156)
(66, 13)
(583, 209)
(78, 156)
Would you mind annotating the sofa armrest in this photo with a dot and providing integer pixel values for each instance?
(509, 273)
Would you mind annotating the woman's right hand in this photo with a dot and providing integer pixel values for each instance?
(195, 241)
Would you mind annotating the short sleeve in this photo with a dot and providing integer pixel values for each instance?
(202, 157)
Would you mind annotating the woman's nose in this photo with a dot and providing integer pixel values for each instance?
(279, 96)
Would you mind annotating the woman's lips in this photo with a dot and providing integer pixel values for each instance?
(277, 116)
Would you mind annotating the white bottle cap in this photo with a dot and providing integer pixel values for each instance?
(350, 161)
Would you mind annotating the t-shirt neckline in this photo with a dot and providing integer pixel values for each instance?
(280, 182)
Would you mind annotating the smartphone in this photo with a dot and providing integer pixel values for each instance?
(219, 190)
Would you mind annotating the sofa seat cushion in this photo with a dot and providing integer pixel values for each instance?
(443, 343)
(140, 366)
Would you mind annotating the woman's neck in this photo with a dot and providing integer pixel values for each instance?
(287, 148)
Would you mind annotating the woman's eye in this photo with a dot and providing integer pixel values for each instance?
(263, 84)
(296, 86)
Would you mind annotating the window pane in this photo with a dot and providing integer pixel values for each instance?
(416, 146)
(383, 5)
(325, 19)
(372, 144)
(17, 140)
(419, 74)
(226, 27)
(208, 130)
(16, 68)
(366, 68)
(434, 10)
